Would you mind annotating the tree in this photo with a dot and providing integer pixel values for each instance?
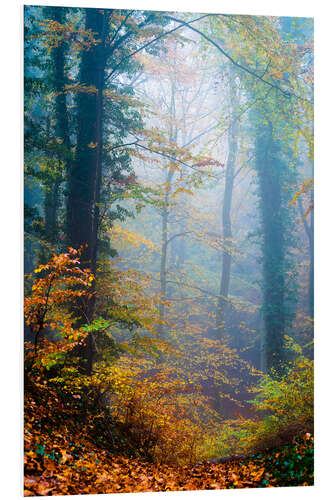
(60, 140)
(85, 174)
(99, 62)
(270, 168)
(182, 102)
(233, 133)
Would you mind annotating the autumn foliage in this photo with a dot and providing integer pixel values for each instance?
(47, 310)
(134, 424)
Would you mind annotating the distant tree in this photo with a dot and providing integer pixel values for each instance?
(233, 140)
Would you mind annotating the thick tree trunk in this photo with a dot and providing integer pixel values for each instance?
(270, 185)
(86, 172)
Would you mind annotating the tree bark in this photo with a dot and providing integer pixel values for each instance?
(86, 172)
(165, 217)
(309, 232)
(164, 251)
(59, 82)
(269, 171)
(52, 199)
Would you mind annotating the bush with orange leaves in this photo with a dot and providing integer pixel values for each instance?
(63, 285)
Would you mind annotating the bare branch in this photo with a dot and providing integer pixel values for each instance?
(177, 235)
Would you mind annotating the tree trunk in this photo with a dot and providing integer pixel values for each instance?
(269, 171)
(226, 215)
(164, 251)
(311, 270)
(59, 82)
(86, 172)
(165, 217)
(309, 232)
(52, 199)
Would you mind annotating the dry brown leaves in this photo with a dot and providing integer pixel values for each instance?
(106, 474)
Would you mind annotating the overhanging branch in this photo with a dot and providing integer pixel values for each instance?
(162, 35)
(286, 93)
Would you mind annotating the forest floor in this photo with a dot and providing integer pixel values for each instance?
(120, 474)
(62, 458)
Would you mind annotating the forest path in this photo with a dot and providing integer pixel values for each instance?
(121, 474)
(66, 455)
(102, 473)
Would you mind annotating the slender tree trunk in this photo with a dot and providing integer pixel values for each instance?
(163, 270)
(309, 232)
(311, 270)
(165, 218)
(52, 199)
(164, 251)
(222, 301)
(226, 215)
(311, 267)
(59, 82)
(51, 206)
(61, 112)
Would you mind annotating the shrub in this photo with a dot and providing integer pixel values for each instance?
(162, 415)
(284, 410)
